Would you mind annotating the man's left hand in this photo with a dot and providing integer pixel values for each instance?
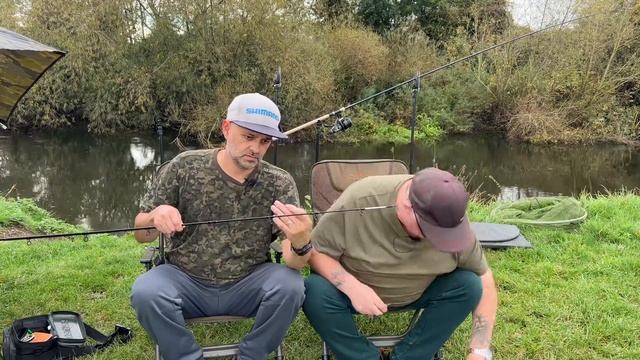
(297, 228)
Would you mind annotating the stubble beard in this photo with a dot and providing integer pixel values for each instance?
(244, 165)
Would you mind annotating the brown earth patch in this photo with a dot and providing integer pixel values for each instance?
(14, 232)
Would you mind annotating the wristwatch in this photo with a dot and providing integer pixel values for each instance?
(303, 250)
(486, 353)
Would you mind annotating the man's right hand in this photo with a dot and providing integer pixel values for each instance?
(365, 301)
(166, 219)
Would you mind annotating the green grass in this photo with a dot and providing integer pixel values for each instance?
(573, 296)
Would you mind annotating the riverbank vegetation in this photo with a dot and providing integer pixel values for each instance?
(133, 63)
(573, 296)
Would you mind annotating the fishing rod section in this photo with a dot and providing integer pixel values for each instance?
(277, 87)
(414, 113)
(160, 133)
(85, 234)
(416, 79)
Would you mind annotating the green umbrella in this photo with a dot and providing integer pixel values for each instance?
(22, 62)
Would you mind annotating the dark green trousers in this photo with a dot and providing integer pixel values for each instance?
(446, 303)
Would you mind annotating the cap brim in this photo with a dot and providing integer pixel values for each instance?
(454, 239)
(260, 129)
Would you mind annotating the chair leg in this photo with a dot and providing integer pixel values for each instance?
(279, 353)
(325, 352)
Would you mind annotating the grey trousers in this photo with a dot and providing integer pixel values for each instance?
(165, 296)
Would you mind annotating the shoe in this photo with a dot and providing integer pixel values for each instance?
(384, 354)
(438, 355)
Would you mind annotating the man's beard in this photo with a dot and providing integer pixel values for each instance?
(245, 165)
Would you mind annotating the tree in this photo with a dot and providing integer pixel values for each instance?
(438, 19)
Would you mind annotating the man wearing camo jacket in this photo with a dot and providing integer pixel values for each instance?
(225, 268)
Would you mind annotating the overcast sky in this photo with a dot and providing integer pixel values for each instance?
(536, 13)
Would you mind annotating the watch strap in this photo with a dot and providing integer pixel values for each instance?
(303, 250)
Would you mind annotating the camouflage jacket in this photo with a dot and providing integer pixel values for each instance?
(194, 183)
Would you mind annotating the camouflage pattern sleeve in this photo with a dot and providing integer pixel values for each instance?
(165, 188)
(289, 191)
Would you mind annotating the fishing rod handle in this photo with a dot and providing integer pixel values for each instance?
(307, 124)
(315, 121)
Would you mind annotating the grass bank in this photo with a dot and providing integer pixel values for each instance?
(573, 296)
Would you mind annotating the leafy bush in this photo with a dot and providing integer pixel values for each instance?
(429, 127)
(361, 57)
(369, 125)
(130, 64)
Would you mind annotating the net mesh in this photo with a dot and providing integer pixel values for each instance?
(550, 211)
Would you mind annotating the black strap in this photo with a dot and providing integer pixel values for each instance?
(121, 334)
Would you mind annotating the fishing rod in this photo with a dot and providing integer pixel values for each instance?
(340, 127)
(85, 234)
(277, 86)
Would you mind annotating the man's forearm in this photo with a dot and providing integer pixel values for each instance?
(332, 270)
(484, 316)
(144, 236)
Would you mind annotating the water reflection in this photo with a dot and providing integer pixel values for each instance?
(506, 170)
(98, 181)
(93, 181)
(142, 155)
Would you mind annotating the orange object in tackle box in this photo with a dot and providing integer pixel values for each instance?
(39, 337)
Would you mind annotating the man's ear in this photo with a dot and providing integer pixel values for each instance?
(406, 202)
(405, 199)
(226, 127)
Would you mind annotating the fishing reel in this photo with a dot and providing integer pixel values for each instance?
(341, 124)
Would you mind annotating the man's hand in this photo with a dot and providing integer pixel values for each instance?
(297, 228)
(366, 301)
(166, 219)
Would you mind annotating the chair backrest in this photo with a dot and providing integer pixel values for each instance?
(329, 178)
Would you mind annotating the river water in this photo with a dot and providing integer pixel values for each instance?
(97, 181)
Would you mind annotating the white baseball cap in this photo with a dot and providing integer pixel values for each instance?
(257, 113)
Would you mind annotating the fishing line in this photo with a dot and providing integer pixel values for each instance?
(85, 234)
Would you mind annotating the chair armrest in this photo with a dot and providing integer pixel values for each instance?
(276, 246)
(148, 256)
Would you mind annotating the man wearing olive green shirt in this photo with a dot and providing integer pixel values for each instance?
(420, 254)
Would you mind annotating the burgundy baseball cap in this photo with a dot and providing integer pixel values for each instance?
(440, 201)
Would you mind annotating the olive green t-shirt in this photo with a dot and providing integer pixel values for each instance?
(194, 183)
(374, 247)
